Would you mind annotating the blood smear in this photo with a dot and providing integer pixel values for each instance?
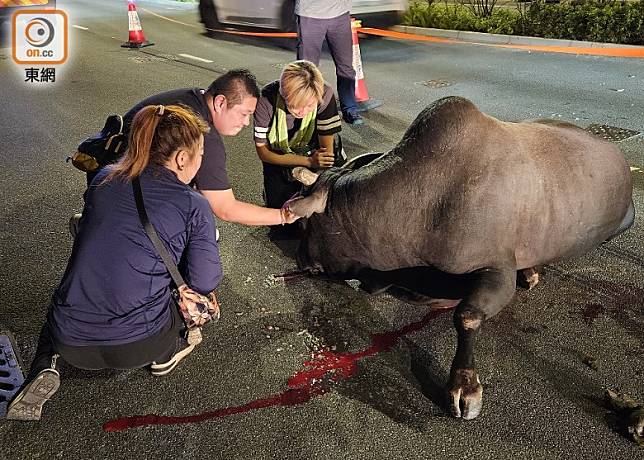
(313, 381)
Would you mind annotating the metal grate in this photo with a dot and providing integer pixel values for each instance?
(11, 377)
(611, 133)
(436, 83)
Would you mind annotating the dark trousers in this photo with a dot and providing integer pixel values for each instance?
(277, 186)
(158, 347)
(311, 33)
(278, 183)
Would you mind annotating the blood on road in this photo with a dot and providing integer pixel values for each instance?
(311, 382)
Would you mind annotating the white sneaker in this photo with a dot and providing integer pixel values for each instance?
(27, 405)
(184, 349)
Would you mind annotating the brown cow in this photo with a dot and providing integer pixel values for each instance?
(465, 193)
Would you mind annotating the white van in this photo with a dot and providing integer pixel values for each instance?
(279, 14)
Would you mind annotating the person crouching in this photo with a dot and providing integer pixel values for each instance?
(114, 308)
(296, 123)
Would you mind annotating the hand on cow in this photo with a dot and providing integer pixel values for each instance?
(286, 216)
(321, 158)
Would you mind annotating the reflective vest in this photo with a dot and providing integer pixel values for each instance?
(278, 132)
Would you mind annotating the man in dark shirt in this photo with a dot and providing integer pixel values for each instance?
(227, 106)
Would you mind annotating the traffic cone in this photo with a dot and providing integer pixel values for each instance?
(362, 95)
(137, 39)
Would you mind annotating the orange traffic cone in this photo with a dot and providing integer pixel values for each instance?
(362, 95)
(137, 39)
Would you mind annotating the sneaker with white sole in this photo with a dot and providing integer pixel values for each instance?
(193, 336)
(184, 349)
(27, 405)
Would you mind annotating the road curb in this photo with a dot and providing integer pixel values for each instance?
(498, 39)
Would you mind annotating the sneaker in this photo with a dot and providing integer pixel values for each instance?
(184, 349)
(74, 222)
(193, 336)
(27, 405)
(353, 118)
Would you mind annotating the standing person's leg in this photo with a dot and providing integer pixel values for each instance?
(341, 47)
(310, 36)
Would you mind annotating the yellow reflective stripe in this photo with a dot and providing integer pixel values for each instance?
(10, 3)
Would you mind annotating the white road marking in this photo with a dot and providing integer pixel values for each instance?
(190, 56)
(80, 27)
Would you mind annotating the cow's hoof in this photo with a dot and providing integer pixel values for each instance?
(528, 278)
(465, 394)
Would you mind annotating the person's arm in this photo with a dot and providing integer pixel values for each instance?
(287, 159)
(200, 263)
(327, 121)
(226, 207)
(326, 142)
(321, 158)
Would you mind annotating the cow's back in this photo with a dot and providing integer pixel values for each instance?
(466, 189)
(574, 192)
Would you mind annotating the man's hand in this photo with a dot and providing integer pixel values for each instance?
(321, 158)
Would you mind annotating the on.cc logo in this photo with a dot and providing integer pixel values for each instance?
(39, 32)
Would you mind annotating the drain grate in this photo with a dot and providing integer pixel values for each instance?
(436, 83)
(611, 133)
(10, 374)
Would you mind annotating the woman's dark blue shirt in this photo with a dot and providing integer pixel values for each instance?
(116, 289)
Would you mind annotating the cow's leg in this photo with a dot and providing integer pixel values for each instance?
(493, 288)
(528, 278)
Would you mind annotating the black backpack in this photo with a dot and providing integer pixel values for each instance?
(103, 148)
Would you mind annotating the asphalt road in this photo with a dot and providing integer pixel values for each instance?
(541, 400)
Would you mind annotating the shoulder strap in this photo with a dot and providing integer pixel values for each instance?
(154, 237)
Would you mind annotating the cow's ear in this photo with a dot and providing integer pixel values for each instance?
(304, 175)
(307, 206)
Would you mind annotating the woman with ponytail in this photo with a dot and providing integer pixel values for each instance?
(113, 308)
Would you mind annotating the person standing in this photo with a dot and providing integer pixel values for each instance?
(318, 20)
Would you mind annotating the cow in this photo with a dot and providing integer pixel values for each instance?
(468, 195)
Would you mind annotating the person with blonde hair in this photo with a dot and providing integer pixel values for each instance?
(114, 307)
(296, 124)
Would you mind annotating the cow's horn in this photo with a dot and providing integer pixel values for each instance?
(304, 175)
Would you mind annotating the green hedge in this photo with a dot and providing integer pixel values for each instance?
(589, 20)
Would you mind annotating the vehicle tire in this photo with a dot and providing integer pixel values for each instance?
(287, 16)
(287, 24)
(208, 13)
